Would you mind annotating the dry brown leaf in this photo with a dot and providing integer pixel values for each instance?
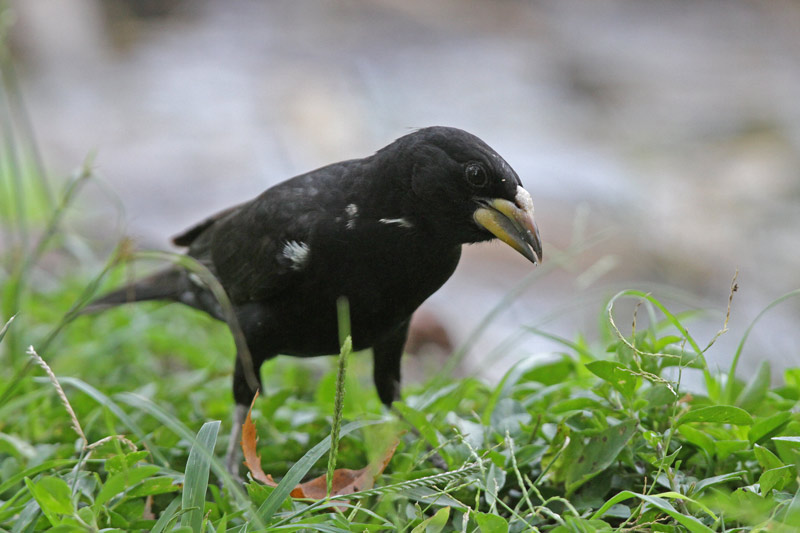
(251, 458)
(345, 481)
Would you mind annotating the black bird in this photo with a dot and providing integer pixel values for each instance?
(384, 231)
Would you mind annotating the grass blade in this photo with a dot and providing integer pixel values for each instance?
(167, 515)
(4, 329)
(197, 471)
(179, 428)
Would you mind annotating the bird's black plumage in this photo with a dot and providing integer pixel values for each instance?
(384, 231)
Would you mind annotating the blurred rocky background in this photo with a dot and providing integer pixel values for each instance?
(665, 132)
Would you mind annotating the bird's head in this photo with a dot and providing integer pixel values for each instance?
(465, 186)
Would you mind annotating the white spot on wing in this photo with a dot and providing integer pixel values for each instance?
(524, 200)
(403, 223)
(352, 214)
(297, 253)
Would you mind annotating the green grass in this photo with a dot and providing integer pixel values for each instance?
(597, 438)
(128, 432)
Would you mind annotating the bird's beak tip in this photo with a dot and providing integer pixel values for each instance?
(512, 223)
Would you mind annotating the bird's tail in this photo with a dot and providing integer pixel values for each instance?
(167, 284)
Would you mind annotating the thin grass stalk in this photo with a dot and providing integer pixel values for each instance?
(517, 473)
(424, 482)
(729, 394)
(338, 408)
(343, 315)
(670, 317)
(76, 425)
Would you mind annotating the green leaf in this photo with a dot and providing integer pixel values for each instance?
(709, 481)
(87, 514)
(122, 462)
(419, 420)
(699, 438)
(766, 458)
(756, 389)
(576, 404)
(549, 371)
(509, 416)
(197, 471)
(690, 522)
(776, 478)
(665, 341)
(53, 496)
(27, 516)
(491, 523)
(720, 414)
(494, 482)
(587, 456)
(659, 395)
(153, 486)
(724, 448)
(765, 426)
(30, 472)
(506, 386)
(121, 481)
(435, 523)
(792, 516)
(616, 374)
(574, 524)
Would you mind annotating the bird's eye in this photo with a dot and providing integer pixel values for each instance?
(476, 174)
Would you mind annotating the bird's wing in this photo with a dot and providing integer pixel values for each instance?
(266, 246)
(186, 238)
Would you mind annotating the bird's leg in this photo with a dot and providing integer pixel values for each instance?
(386, 374)
(386, 355)
(233, 453)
